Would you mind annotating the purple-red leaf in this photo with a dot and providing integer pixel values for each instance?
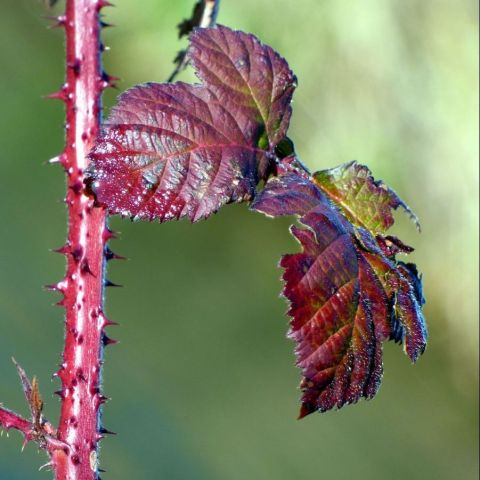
(174, 150)
(238, 67)
(347, 295)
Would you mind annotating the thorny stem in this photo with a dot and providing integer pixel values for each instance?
(9, 419)
(204, 15)
(38, 430)
(85, 249)
(73, 447)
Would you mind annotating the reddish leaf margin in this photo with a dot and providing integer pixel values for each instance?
(176, 150)
(347, 296)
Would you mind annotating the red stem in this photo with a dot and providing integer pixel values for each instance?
(85, 250)
(9, 419)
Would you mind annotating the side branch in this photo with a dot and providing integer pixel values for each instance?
(204, 15)
(38, 429)
(9, 419)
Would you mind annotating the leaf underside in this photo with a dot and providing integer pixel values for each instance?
(347, 293)
(173, 150)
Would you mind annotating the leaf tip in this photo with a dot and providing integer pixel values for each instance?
(305, 410)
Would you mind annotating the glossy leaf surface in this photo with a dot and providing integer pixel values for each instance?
(363, 200)
(347, 296)
(174, 150)
(239, 68)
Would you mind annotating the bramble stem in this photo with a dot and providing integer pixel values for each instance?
(82, 287)
(9, 419)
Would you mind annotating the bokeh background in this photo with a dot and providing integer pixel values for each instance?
(203, 382)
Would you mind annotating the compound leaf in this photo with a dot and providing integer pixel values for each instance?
(347, 295)
(174, 150)
(177, 150)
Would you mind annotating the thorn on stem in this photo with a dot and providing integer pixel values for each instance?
(110, 255)
(48, 465)
(108, 80)
(104, 431)
(59, 393)
(65, 250)
(57, 22)
(109, 323)
(85, 267)
(104, 3)
(106, 340)
(58, 159)
(109, 235)
(59, 95)
(53, 287)
(101, 399)
(75, 66)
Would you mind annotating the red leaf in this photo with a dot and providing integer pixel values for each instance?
(174, 150)
(238, 67)
(346, 297)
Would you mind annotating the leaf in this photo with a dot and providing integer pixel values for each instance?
(31, 391)
(346, 295)
(174, 150)
(364, 201)
(237, 66)
(170, 151)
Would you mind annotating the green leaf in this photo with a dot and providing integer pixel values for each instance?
(365, 202)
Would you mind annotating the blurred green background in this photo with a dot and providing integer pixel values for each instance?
(203, 382)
